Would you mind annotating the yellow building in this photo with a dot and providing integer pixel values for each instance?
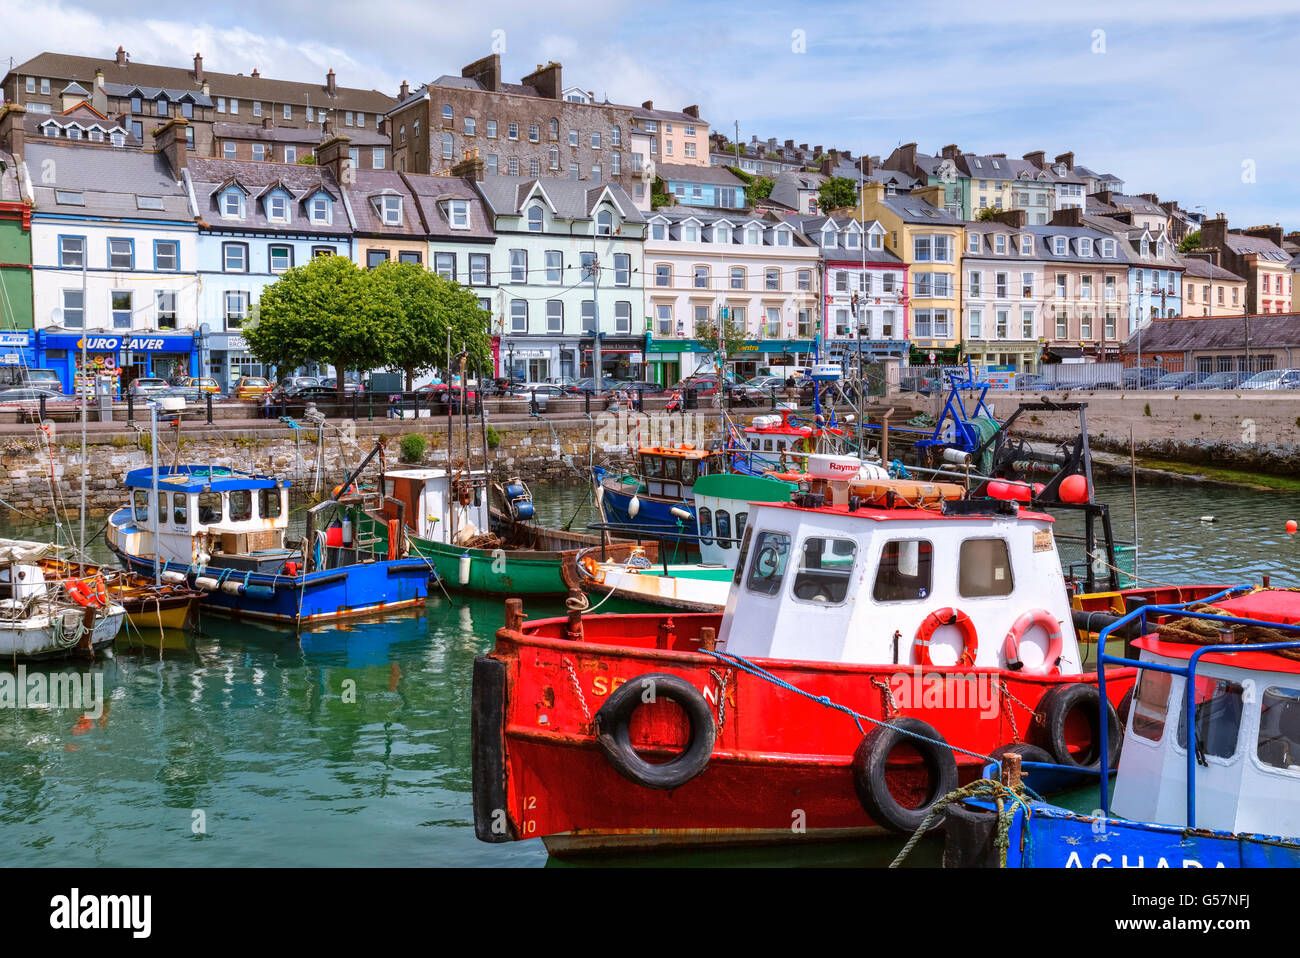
(929, 240)
(1210, 290)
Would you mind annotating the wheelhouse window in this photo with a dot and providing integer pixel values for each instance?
(180, 508)
(984, 568)
(140, 500)
(1279, 728)
(240, 502)
(209, 508)
(905, 572)
(1218, 707)
(825, 568)
(268, 503)
(704, 518)
(771, 551)
(722, 522)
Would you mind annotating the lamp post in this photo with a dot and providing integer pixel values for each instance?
(510, 360)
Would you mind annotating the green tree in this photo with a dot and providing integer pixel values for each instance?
(328, 311)
(1190, 242)
(837, 193)
(429, 308)
(307, 159)
(726, 333)
(986, 215)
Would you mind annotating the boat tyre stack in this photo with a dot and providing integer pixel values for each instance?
(1067, 724)
(612, 722)
(870, 776)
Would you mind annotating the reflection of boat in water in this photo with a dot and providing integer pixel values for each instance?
(45, 617)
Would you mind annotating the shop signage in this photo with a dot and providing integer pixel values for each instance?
(94, 343)
(13, 339)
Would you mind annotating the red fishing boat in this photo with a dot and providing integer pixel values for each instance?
(878, 643)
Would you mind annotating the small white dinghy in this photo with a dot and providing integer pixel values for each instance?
(48, 619)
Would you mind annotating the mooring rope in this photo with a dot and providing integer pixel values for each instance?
(984, 788)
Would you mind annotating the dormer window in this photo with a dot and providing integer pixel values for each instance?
(828, 239)
(850, 239)
(722, 234)
(1146, 247)
(605, 225)
(973, 244)
(658, 231)
(999, 244)
(319, 209)
(1027, 245)
(457, 212)
(1058, 245)
(232, 205)
(690, 234)
(534, 219)
(782, 237)
(1160, 248)
(877, 241)
(1108, 247)
(754, 236)
(1085, 246)
(277, 208)
(390, 210)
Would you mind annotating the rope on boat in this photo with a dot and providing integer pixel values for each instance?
(824, 700)
(984, 788)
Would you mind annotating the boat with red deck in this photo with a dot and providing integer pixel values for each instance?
(804, 710)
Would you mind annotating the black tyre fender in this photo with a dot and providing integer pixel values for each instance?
(1055, 708)
(869, 777)
(1027, 753)
(612, 731)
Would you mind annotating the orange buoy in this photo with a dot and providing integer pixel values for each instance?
(1290, 527)
(1074, 489)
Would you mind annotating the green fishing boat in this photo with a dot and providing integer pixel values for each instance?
(448, 520)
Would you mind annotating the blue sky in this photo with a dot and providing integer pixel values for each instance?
(1181, 99)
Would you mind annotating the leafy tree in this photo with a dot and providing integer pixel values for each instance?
(725, 333)
(1190, 242)
(836, 193)
(429, 308)
(327, 311)
(760, 189)
(986, 215)
(307, 159)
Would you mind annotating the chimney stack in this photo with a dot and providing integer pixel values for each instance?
(403, 91)
(1067, 159)
(827, 166)
(547, 80)
(1273, 233)
(470, 168)
(1068, 216)
(333, 152)
(169, 140)
(330, 87)
(1012, 218)
(950, 152)
(1037, 158)
(11, 128)
(198, 68)
(487, 72)
(692, 110)
(122, 57)
(255, 75)
(1214, 232)
(266, 122)
(866, 166)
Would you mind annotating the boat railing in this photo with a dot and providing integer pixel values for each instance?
(626, 530)
(1188, 672)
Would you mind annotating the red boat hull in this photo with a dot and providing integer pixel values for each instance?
(780, 769)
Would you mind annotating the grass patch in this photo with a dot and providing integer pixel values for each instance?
(412, 447)
(1236, 477)
(1146, 411)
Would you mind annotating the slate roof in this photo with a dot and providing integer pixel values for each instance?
(1267, 331)
(109, 180)
(572, 198)
(198, 97)
(9, 190)
(811, 226)
(259, 179)
(984, 168)
(369, 184)
(469, 83)
(787, 185)
(671, 116)
(182, 79)
(1044, 247)
(431, 191)
(224, 129)
(685, 173)
(1203, 269)
(913, 209)
(1267, 249)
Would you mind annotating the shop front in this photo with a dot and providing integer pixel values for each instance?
(849, 353)
(765, 353)
(1021, 357)
(669, 361)
(924, 354)
(114, 360)
(621, 357)
(16, 353)
(228, 359)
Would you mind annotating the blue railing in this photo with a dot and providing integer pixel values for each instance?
(1188, 673)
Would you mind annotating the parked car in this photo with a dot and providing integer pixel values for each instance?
(349, 388)
(208, 385)
(251, 387)
(24, 394)
(549, 390)
(147, 386)
(1032, 382)
(588, 385)
(704, 385)
(440, 393)
(23, 377)
(647, 387)
(1144, 378)
(1274, 379)
(317, 393)
(761, 387)
(1228, 379)
(1182, 380)
(189, 395)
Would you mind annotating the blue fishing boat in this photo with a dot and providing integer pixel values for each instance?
(225, 532)
(1209, 772)
(658, 498)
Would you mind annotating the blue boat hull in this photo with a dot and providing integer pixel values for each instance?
(364, 588)
(1058, 838)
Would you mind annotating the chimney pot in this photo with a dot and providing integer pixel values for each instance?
(122, 56)
(255, 75)
(329, 83)
(648, 105)
(198, 68)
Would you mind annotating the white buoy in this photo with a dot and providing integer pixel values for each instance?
(679, 512)
(633, 507)
(462, 571)
(1207, 518)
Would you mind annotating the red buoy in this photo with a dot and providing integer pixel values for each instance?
(1074, 489)
(1290, 527)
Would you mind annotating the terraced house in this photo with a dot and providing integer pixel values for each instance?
(704, 267)
(929, 240)
(15, 264)
(1084, 306)
(1003, 293)
(114, 258)
(235, 116)
(257, 220)
(1256, 254)
(865, 305)
(553, 237)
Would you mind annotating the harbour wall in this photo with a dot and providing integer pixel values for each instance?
(35, 470)
(1254, 431)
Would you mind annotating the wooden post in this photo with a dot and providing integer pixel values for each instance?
(708, 639)
(1011, 771)
(514, 614)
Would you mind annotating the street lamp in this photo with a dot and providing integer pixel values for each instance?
(510, 359)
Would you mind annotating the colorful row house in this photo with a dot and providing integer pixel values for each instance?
(708, 269)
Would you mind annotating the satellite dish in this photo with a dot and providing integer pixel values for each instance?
(648, 172)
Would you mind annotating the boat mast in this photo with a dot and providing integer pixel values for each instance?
(85, 254)
(157, 495)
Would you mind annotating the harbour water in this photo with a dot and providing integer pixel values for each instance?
(351, 745)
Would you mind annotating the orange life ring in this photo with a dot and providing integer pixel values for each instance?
(350, 491)
(88, 593)
(956, 618)
(1055, 641)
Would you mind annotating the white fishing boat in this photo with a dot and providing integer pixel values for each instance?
(44, 618)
